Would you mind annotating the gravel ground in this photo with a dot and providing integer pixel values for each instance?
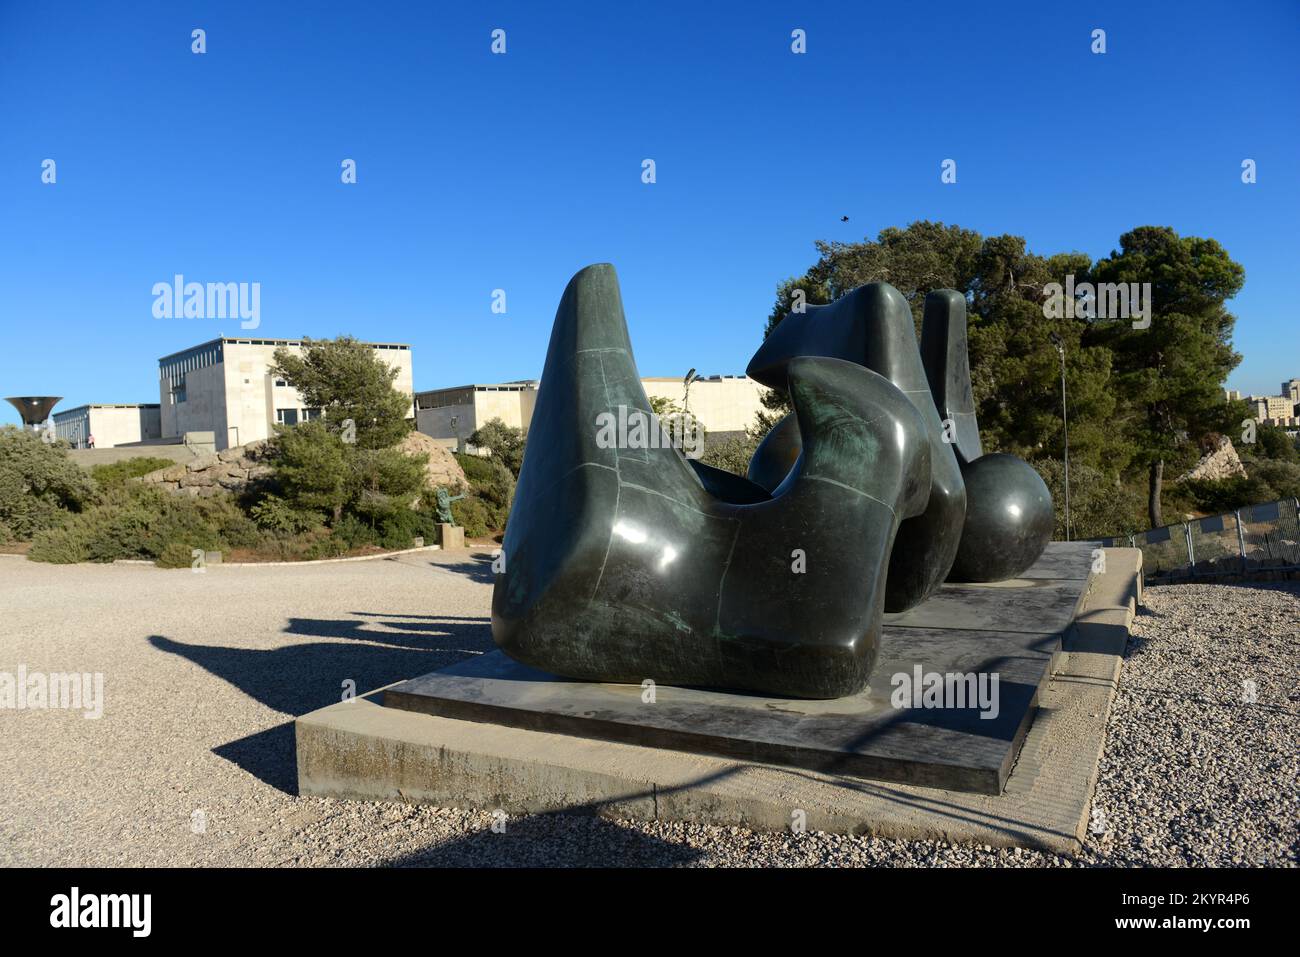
(203, 674)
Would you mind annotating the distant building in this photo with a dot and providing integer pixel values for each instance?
(111, 424)
(1280, 410)
(225, 387)
(723, 404)
(452, 415)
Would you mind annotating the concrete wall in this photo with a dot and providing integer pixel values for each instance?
(204, 408)
(111, 425)
(237, 399)
(89, 457)
(726, 404)
(436, 423)
(506, 406)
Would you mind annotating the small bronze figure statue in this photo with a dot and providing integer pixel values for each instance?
(442, 505)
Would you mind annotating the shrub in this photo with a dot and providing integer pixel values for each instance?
(276, 515)
(1224, 495)
(399, 530)
(486, 505)
(146, 523)
(1101, 504)
(318, 474)
(312, 468)
(505, 443)
(119, 473)
(1280, 478)
(731, 455)
(474, 516)
(477, 468)
(1266, 480)
(39, 484)
(387, 481)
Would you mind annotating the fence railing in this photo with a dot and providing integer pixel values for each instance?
(1263, 536)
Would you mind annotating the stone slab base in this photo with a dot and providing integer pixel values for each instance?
(363, 750)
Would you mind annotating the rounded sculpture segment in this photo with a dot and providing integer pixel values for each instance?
(872, 326)
(947, 369)
(776, 455)
(1009, 519)
(619, 565)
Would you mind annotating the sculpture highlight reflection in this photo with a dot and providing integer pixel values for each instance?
(631, 563)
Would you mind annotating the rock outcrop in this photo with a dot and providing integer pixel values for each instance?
(443, 469)
(235, 468)
(230, 469)
(1220, 462)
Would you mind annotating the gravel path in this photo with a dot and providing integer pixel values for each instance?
(203, 674)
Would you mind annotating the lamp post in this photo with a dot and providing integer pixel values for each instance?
(686, 392)
(1065, 422)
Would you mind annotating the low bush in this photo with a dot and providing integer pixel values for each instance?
(730, 455)
(141, 522)
(1102, 505)
(486, 505)
(118, 474)
(40, 486)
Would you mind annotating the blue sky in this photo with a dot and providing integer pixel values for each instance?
(478, 172)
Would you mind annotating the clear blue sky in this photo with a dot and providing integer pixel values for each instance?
(479, 172)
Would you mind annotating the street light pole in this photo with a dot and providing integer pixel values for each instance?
(1065, 422)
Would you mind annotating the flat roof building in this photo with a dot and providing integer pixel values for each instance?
(225, 386)
(452, 415)
(724, 404)
(108, 425)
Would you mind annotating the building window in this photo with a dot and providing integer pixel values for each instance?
(309, 415)
(281, 383)
(286, 416)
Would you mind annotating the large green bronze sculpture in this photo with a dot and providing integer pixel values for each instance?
(625, 561)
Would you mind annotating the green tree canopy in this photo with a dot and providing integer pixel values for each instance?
(1136, 397)
(348, 381)
(1170, 373)
(504, 443)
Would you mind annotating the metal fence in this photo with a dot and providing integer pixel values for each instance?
(1259, 537)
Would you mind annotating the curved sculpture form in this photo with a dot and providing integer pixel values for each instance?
(627, 563)
(776, 454)
(872, 326)
(1009, 516)
(624, 561)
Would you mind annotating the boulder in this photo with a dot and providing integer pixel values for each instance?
(169, 475)
(443, 469)
(1220, 462)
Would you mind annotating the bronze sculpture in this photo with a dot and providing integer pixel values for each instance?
(627, 561)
